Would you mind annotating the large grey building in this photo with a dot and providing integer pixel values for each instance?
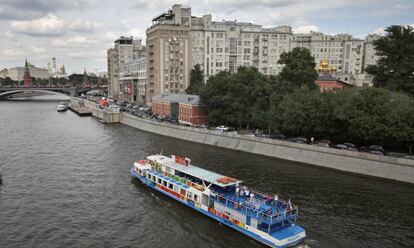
(226, 45)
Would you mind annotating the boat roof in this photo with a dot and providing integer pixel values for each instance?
(192, 170)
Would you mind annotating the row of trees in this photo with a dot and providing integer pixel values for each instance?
(74, 80)
(291, 103)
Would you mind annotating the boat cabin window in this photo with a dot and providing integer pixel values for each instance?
(164, 183)
(196, 198)
(189, 195)
(159, 180)
(170, 186)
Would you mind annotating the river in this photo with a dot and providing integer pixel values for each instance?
(66, 183)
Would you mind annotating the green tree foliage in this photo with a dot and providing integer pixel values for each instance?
(369, 116)
(231, 98)
(76, 79)
(8, 81)
(299, 69)
(380, 116)
(196, 80)
(292, 105)
(395, 68)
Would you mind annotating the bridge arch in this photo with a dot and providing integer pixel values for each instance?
(61, 92)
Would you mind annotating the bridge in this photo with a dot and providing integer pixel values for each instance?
(6, 92)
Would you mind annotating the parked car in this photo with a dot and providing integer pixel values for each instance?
(376, 152)
(372, 149)
(350, 145)
(325, 141)
(376, 148)
(222, 128)
(322, 144)
(341, 146)
(300, 140)
(145, 109)
(278, 136)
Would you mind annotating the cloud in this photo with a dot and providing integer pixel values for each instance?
(236, 5)
(52, 26)
(162, 5)
(12, 52)
(38, 50)
(305, 29)
(397, 9)
(28, 9)
(379, 31)
(83, 26)
(49, 25)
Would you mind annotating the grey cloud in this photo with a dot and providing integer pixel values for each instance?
(27, 9)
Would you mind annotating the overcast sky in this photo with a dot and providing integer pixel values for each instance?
(78, 32)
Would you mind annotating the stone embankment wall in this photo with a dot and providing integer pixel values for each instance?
(356, 162)
(107, 116)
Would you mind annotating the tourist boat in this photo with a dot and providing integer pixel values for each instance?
(62, 107)
(262, 217)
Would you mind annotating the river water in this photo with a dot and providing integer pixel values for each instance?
(66, 183)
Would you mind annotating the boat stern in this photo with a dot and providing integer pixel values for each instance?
(289, 236)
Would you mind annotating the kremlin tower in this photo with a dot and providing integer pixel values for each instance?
(27, 79)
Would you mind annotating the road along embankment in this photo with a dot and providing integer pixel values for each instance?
(355, 162)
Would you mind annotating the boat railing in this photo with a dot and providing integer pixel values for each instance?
(252, 208)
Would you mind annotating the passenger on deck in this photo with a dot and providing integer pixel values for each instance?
(237, 191)
(276, 199)
(251, 196)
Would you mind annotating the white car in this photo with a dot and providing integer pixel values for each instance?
(222, 128)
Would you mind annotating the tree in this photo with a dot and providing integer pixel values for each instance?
(299, 69)
(196, 80)
(76, 79)
(380, 116)
(395, 67)
(232, 98)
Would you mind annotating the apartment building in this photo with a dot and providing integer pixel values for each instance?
(226, 45)
(121, 60)
(169, 52)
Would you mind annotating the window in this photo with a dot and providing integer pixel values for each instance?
(159, 180)
(164, 183)
(170, 186)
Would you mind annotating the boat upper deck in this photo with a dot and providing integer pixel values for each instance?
(203, 174)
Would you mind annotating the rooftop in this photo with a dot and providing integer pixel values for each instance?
(192, 170)
(180, 98)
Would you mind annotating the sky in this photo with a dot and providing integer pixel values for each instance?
(78, 32)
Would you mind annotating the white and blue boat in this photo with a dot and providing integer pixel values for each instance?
(262, 217)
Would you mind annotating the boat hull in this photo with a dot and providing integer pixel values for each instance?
(246, 232)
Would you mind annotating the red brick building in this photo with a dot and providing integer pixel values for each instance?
(329, 84)
(183, 108)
